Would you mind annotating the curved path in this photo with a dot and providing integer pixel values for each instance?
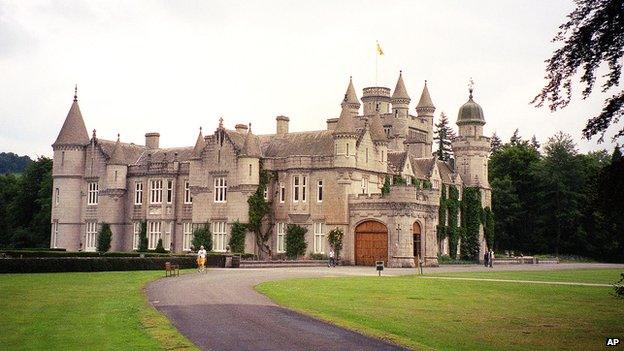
(220, 310)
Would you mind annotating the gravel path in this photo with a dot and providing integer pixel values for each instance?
(220, 310)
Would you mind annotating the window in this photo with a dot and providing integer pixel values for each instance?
(408, 180)
(55, 227)
(115, 175)
(282, 193)
(62, 158)
(91, 236)
(387, 130)
(135, 237)
(436, 184)
(92, 197)
(187, 232)
(138, 193)
(220, 189)
(347, 149)
(281, 237)
(169, 191)
(167, 237)
(319, 190)
(382, 156)
(57, 196)
(364, 185)
(188, 199)
(319, 238)
(296, 189)
(218, 236)
(153, 234)
(156, 191)
(250, 168)
(304, 186)
(265, 194)
(366, 155)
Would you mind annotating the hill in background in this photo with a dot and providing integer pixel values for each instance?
(12, 163)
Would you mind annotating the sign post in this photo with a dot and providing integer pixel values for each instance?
(380, 266)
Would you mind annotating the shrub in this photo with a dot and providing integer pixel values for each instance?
(237, 237)
(295, 241)
(202, 237)
(398, 180)
(143, 237)
(335, 237)
(318, 256)
(619, 287)
(426, 184)
(386, 186)
(104, 238)
(159, 247)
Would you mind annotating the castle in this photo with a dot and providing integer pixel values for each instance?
(324, 179)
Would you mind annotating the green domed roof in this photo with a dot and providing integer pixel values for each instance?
(470, 113)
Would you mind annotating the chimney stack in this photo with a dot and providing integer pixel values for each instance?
(152, 140)
(282, 125)
(241, 128)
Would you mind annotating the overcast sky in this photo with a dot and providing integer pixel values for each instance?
(173, 66)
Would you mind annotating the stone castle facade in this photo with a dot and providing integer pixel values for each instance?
(325, 179)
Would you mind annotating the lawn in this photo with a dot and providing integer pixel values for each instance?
(83, 311)
(464, 315)
(599, 276)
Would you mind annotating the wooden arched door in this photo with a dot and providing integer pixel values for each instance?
(371, 243)
(416, 235)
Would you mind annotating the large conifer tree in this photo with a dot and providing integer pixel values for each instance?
(443, 135)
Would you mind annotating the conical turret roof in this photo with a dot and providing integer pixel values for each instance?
(118, 157)
(73, 131)
(425, 99)
(376, 128)
(350, 95)
(345, 124)
(251, 147)
(400, 92)
(199, 144)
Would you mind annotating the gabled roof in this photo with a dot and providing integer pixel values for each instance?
(396, 161)
(129, 155)
(73, 131)
(315, 143)
(399, 90)
(425, 99)
(423, 167)
(184, 154)
(446, 173)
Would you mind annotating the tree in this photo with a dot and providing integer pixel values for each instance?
(237, 237)
(104, 238)
(495, 143)
(143, 242)
(202, 237)
(593, 37)
(335, 237)
(159, 247)
(295, 241)
(8, 191)
(260, 215)
(12, 163)
(534, 143)
(516, 138)
(444, 135)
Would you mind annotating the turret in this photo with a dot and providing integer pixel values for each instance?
(380, 140)
(111, 196)
(424, 111)
(376, 99)
(345, 138)
(200, 144)
(67, 177)
(117, 168)
(249, 160)
(400, 99)
(350, 101)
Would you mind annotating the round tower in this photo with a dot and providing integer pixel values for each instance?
(345, 138)
(376, 99)
(424, 111)
(68, 180)
(249, 160)
(351, 101)
(112, 204)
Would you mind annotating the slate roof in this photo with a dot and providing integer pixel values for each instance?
(399, 90)
(376, 128)
(422, 167)
(131, 152)
(118, 156)
(346, 123)
(73, 131)
(315, 143)
(396, 161)
(251, 146)
(446, 173)
(199, 144)
(425, 98)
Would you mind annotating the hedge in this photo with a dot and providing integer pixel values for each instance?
(100, 264)
(36, 253)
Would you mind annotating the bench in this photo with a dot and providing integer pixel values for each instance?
(172, 269)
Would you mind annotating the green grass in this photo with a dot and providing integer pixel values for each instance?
(599, 276)
(463, 315)
(83, 311)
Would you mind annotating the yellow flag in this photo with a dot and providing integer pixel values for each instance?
(379, 50)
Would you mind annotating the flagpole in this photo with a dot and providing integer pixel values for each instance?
(376, 59)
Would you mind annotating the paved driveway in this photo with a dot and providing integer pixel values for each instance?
(220, 310)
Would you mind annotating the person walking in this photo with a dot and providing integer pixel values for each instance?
(491, 257)
(201, 259)
(332, 260)
(486, 256)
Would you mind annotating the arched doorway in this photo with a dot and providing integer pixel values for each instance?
(371, 243)
(416, 234)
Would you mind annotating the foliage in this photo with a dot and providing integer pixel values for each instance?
(12, 163)
(426, 184)
(495, 143)
(386, 186)
(444, 259)
(398, 180)
(237, 237)
(443, 135)
(488, 227)
(441, 228)
(91, 264)
(295, 241)
(318, 257)
(104, 238)
(592, 37)
(159, 247)
(25, 206)
(335, 237)
(472, 215)
(416, 182)
(452, 203)
(143, 242)
(619, 287)
(260, 214)
(202, 237)
(535, 144)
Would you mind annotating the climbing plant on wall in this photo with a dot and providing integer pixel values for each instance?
(442, 230)
(452, 203)
(259, 208)
(386, 186)
(488, 226)
(471, 215)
